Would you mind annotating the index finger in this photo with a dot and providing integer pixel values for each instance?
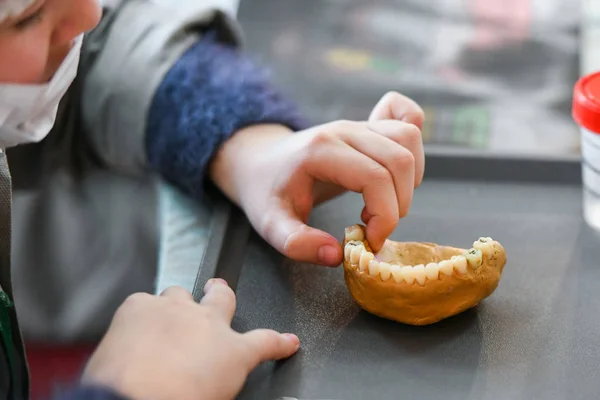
(351, 169)
(407, 136)
(219, 297)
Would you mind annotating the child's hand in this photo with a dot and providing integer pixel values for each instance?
(392, 106)
(277, 176)
(169, 347)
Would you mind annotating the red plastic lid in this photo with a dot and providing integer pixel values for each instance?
(586, 102)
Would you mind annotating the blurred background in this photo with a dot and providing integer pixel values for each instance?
(494, 76)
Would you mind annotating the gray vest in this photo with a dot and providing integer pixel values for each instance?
(85, 226)
(84, 201)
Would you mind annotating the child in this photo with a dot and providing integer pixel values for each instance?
(198, 357)
(157, 91)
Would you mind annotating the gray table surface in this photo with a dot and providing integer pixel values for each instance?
(536, 337)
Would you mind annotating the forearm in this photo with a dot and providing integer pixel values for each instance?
(211, 94)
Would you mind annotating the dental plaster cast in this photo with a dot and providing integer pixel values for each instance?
(420, 283)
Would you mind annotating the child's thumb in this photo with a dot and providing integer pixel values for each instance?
(300, 242)
(268, 345)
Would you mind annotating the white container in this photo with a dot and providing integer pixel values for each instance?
(586, 112)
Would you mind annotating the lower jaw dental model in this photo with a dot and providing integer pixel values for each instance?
(420, 283)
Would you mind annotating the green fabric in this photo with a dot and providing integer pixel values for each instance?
(6, 332)
(9, 325)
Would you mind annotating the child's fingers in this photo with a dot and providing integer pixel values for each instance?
(399, 161)
(395, 106)
(365, 216)
(409, 137)
(267, 345)
(220, 297)
(335, 161)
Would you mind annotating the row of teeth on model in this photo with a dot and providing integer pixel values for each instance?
(357, 255)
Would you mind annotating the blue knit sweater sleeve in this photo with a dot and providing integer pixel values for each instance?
(210, 92)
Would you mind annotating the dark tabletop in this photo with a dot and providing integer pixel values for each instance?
(536, 337)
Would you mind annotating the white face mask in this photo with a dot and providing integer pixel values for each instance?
(28, 112)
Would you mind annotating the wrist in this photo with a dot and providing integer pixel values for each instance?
(231, 168)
